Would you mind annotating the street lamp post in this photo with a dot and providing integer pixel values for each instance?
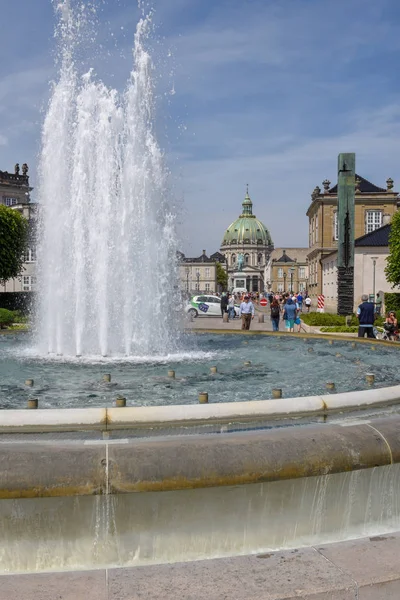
(374, 259)
(187, 278)
(198, 279)
(284, 281)
(291, 271)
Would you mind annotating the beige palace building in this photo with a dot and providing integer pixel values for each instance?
(373, 206)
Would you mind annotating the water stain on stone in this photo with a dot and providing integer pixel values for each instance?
(263, 555)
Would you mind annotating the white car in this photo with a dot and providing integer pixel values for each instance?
(209, 306)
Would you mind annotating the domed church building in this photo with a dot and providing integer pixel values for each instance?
(246, 246)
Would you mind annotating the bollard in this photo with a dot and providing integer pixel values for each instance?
(261, 318)
(213, 370)
(225, 318)
(247, 363)
(32, 403)
(29, 382)
(120, 401)
(277, 393)
(370, 377)
(203, 397)
(107, 378)
(330, 385)
(171, 374)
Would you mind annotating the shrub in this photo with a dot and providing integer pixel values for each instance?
(7, 317)
(392, 302)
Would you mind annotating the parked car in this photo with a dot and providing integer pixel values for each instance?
(209, 306)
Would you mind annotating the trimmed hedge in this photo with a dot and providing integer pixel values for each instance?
(317, 319)
(340, 329)
(7, 317)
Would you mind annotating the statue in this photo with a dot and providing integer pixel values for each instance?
(25, 169)
(240, 262)
(16, 169)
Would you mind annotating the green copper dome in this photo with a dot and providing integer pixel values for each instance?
(247, 229)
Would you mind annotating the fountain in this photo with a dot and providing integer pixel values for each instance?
(86, 486)
(108, 244)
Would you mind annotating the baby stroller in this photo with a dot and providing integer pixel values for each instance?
(390, 332)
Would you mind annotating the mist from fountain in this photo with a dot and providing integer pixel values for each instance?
(107, 253)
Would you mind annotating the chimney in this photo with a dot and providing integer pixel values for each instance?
(204, 252)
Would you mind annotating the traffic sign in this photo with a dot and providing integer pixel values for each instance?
(263, 302)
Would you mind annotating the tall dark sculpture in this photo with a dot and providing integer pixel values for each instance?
(346, 190)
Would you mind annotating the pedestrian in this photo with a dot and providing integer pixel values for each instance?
(231, 307)
(275, 314)
(308, 302)
(378, 304)
(290, 314)
(366, 318)
(246, 311)
(300, 301)
(224, 304)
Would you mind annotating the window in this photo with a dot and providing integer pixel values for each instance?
(301, 286)
(316, 228)
(28, 283)
(246, 259)
(259, 258)
(280, 287)
(30, 255)
(373, 220)
(10, 201)
(197, 287)
(233, 259)
(280, 272)
(335, 226)
(207, 272)
(302, 272)
(207, 287)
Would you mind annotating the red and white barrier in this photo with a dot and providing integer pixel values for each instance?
(321, 303)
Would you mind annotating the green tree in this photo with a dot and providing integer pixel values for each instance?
(392, 269)
(13, 237)
(222, 276)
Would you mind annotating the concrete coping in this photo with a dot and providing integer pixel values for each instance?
(85, 419)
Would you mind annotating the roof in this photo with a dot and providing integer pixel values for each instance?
(217, 256)
(365, 187)
(292, 255)
(379, 237)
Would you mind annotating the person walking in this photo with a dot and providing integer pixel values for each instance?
(231, 307)
(224, 304)
(378, 304)
(246, 311)
(308, 303)
(275, 314)
(290, 314)
(366, 318)
(300, 301)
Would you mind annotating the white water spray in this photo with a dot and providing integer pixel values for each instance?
(108, 248)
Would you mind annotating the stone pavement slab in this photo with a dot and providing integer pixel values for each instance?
(374, 563)
(82, 585)
(272, 576)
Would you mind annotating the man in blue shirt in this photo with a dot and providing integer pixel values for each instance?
(246, 311)
(366, 317)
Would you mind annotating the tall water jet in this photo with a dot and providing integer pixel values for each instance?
(107, 255)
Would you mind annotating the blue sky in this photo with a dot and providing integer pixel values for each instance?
(267, 92)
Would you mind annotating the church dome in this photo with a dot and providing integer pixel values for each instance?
(247, 229)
